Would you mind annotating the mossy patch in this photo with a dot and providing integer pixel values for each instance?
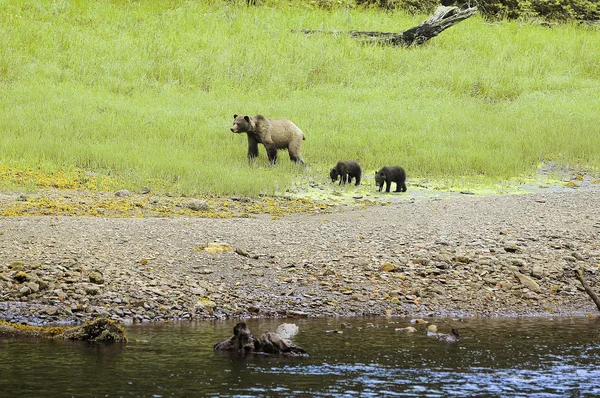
(100, 329)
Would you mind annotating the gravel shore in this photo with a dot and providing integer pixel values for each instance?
(501, 255)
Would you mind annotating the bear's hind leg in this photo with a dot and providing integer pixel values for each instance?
(272, 154)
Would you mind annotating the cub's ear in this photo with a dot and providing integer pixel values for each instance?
(246, 118)
(234, 117)
(331, 169)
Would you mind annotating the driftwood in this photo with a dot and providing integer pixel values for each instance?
(243, 342)
(587, 288)
(442, 19)
(100, 329)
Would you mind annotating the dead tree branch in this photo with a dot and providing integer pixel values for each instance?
(587, 288)
(442, 19)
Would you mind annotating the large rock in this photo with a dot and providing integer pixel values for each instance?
(528, 282)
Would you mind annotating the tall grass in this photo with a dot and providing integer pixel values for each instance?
(146, 91)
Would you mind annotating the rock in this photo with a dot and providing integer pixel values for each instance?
(408, 329)
(257, 272)
(145, 191)
(198, 291)
(24, 291)
(216, 247)
(419, 321)
(34, 287)
(287, 330)
(528, 282)
(197, 205)
(432, 329)
(206, 304)
(537, 272)
(122, 193)
(96, 277)
(92, 290)
(388, 267)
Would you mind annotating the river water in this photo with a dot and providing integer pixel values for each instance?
(533, 357)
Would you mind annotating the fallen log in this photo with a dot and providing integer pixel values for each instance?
(442, 19)
(100, 329)
(587, 288)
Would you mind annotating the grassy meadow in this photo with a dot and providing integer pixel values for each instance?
(127, 94)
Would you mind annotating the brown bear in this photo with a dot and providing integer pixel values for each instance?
(346, 170)
(388, 175)
(274, 134)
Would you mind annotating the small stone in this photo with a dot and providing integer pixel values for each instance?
(198, 291)
(432, 329)
(418, 321)
(462, 259)
(122, 193)
(257, 272)
(537, 272)
(408, 329)
(34, 287)
(92, 290)
(206, 304)
(25, 291)
(528, 282)
(145, 191)
(96, 277)
(197, 205)
(388, 267)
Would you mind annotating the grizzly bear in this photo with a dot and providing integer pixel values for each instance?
(391, 174)
(274, 134)
(346, 171)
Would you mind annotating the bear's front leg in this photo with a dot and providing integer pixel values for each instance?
(252, 147)
(388, 185)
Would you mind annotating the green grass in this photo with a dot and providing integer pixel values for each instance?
(146, 91)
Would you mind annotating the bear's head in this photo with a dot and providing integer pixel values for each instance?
(333, 173)
(379, 178)
(242, 124)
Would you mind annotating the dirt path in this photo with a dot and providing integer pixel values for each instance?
(460, 256)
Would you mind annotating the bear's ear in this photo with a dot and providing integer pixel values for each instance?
(234, 117)
(246, 118)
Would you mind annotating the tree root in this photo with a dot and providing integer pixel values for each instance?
(442, 19)
(587, 288)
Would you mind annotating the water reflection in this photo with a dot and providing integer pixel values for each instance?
(496, 357)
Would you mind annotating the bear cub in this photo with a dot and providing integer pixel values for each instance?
(388, 175)
(274, 134)
(346, 171)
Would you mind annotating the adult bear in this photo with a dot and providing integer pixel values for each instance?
(346, 170)
(388, 175)
(274, 134)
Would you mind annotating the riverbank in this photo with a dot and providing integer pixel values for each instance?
(466, 255)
